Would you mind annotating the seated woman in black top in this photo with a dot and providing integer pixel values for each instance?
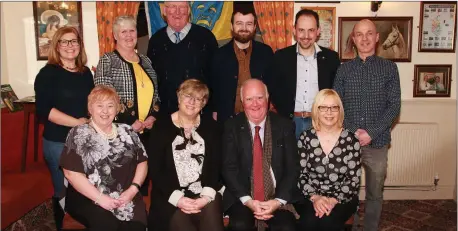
(331, 167)
(184, 166)
(61, 90)
(105, 164)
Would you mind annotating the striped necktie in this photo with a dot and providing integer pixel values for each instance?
(177, 35)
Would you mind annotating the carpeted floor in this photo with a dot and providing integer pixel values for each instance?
(426, 215)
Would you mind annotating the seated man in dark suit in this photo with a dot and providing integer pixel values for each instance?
(260, 164)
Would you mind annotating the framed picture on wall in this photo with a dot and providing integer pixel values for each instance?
(395, 40)
(327, 25)
(49, 17)
(432, 80)
(437, 27)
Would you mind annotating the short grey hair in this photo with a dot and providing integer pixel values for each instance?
(253, 80)
(121, 20)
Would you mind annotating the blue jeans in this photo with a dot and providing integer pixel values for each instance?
(302, 124)
(375, 162)
(52, 152)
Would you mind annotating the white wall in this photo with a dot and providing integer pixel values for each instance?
(4, 60)
(19, 60)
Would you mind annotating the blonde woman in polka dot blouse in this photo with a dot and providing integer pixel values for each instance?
(330, 167)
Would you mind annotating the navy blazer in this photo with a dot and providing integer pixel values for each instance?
(282, 77)
(225, 71)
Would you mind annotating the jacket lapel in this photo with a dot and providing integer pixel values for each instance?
(246, 141)
(321, 64)
(276, 143)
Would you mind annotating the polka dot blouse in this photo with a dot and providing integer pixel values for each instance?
(334, 175)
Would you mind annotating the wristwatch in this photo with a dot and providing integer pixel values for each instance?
(136, 185)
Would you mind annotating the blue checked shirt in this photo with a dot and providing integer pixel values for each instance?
(371, 95)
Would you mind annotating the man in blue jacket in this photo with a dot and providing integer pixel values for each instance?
(240, 59)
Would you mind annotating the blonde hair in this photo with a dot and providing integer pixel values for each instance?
(194, 87)
(319, 98)
(122, 19)
(102, 93)
(54, 56)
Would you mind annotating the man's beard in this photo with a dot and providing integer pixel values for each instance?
(243, 38)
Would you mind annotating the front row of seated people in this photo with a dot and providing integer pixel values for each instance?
(264, 168)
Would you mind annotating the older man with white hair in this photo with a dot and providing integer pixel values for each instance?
(179, 51)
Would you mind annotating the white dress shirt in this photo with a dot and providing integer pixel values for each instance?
(183, 32)
(307, 80)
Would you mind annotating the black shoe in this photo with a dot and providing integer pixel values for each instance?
(58, 213)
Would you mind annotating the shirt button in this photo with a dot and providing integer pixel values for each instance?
(362, 119)
(305, 91)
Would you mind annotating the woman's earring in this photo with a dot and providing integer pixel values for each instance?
(116, 117)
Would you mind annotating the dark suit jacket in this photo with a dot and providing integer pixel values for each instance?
(238, 159)
(225, 71)
(162, 171)
(282, 77)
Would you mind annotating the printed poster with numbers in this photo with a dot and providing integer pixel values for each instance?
(438, 25)
(327, 17)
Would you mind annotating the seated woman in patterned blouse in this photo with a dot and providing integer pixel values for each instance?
(184, 166)
(330, 167)
(105, 164)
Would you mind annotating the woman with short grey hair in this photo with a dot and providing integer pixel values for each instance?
(134, 79)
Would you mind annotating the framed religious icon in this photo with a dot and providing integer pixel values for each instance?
(49, 17)
(437, 27)
(395, 39)
(327, 25)
(432, 81)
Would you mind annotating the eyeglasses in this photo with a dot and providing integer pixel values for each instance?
(188, 98)
(326, 108)
(65, 43)
(174, 8)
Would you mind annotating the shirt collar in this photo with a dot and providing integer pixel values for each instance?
(317, 49)
(368, 59)
(262, 124)
(185, 29)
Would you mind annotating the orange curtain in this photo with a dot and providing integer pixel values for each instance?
(275, 20)
(107, 12)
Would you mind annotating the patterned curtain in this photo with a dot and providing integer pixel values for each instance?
(275, 20)
(107, 12)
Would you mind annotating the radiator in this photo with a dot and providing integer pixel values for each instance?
(411, 156)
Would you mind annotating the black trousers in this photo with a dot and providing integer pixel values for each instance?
(334, 222)
(241, 218)
(210, 218)
(144, 139)
(96, 218)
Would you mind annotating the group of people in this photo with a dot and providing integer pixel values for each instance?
(237, 130)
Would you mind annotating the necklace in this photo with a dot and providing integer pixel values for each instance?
(113, 134)
(143, 84)
(70, 68)
(188, 131)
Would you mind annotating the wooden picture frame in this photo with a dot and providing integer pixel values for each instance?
(395, 40)
(432, 80)
(437, 31)
(327, 17)
(48, 17)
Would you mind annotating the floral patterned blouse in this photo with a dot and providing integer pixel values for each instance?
(334, 175)
(189, 155)
(109, 165)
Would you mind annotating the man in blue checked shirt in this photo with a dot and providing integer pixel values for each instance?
(371, 94)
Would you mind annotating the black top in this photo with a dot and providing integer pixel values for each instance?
(282, 77)
(225, 71)
(371, 95)
(175, 63)
(335, 175)
(66, 91)
(109, 165)
(163, 142)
